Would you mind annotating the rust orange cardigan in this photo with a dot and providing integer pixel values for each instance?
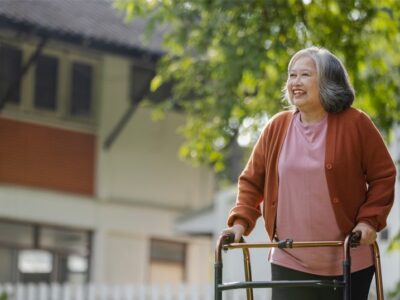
(359, 171)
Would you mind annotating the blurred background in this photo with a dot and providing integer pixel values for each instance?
(124, 125)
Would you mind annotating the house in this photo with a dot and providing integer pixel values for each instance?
(90, 186)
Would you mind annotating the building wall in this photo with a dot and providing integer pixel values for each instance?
(142, 166)
(142, 169)
(121, 233)
(127, 195)
(57, 159)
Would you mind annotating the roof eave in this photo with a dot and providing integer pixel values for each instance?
(81, 40)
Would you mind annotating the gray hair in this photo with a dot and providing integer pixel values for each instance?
(335, 90)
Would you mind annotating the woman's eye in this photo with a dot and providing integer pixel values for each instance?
(305, 74)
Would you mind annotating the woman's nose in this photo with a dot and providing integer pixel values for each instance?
(296, 80)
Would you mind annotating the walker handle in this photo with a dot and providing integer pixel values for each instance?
(228, 238)
(355, 239)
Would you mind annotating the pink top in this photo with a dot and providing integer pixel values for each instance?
(305, 212)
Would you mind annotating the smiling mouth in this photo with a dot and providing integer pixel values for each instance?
(297, 93)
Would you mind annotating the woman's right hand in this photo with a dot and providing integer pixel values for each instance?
(236, 229)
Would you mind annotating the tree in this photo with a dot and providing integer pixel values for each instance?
(228, 59)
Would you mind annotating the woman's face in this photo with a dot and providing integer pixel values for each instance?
(302, 85)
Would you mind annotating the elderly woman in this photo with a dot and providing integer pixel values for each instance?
(322, 170)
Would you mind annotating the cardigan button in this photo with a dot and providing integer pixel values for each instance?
(335, 200)
(273, 203)
(329, 166)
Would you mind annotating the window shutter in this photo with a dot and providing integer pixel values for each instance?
(46, 82)
(10, 69)
(81, 90)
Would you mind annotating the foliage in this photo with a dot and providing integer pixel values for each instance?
(228, 59)
(3, 296)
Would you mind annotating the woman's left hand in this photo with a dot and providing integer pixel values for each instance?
(368, 233)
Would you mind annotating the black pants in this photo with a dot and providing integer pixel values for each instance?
(360, 284)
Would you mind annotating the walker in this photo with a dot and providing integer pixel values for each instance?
(225, 242)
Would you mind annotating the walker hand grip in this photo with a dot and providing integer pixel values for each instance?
(228, 238)
(355, 239)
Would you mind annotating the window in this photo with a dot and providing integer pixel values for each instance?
(10, 69)
(167, 261)
(16, 234)
(64, 239)
(76, 269)
(46, 83)
(81, 89)
(8, 262)
(77, 264)
(167, 251)
(35, 266)
(43, 253)
(35, 261)
(57, 86)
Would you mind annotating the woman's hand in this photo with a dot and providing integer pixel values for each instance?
(368, 233)
(236, 229)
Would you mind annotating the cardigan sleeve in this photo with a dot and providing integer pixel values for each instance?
(250, 188)
(380, 173)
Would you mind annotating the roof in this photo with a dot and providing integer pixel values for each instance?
(200, 222)
(209, 220)
(95, 23)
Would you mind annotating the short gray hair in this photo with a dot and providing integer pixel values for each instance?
(335, 90)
